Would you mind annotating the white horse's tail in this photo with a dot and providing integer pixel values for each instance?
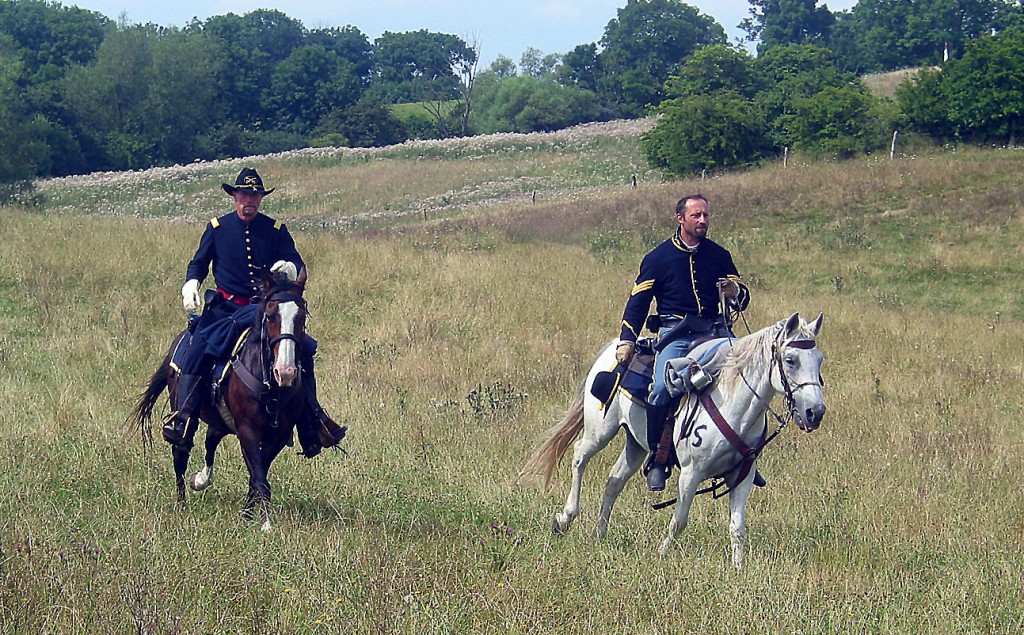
(557, 440)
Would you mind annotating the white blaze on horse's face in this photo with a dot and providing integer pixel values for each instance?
(800, 372)
(284, 362)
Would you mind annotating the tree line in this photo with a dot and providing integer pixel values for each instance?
(81, 93)
(723, 107)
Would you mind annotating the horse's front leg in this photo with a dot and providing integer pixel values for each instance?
(738, 517)
(204, 477)
(259, 487)
(688, 482)
(632, 457)
(180, 454)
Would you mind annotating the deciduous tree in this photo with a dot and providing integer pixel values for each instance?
(312, 82)
(707, 132)
(645, 44)
(778, 22)
(419, 66)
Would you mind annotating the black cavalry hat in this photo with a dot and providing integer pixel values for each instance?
(248, 180)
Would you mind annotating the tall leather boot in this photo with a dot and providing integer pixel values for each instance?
(659, 464)
(308, 438)
(329, 432)
(187, 398)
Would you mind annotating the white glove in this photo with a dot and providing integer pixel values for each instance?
(287, 268)
(190, 296)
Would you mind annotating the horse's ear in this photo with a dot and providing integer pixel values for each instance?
(815, 326)
(792, 326)
(301, 278)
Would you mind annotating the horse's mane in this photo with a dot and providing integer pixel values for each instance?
(747, 355)
(752, 354)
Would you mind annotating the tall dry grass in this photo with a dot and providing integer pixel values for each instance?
(448, 345)
(886, 84)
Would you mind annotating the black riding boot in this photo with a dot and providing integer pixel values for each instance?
(659, 464)
(187, 399)
(330, 433)
(308, 438)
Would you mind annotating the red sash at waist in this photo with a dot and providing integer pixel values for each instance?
(237, 299)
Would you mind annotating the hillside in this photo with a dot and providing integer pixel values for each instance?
(885, 84)
(459, 292)
(345, 187)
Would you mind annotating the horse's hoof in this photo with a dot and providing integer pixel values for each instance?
(558, 528)
(198, 482)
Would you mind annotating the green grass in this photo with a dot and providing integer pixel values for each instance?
(451, 340)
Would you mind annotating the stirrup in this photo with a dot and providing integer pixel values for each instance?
(173, 430)
(656, 474)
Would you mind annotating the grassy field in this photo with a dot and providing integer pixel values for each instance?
(885, 84)
(459, 292)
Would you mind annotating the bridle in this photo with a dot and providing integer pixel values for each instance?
(283, 297)
(789, 390)
(267, 348)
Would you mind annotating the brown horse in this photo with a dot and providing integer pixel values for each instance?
(260, 401)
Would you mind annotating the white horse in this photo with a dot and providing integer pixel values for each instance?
(780, 359)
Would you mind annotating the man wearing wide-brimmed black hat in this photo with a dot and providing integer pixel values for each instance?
(241, 245)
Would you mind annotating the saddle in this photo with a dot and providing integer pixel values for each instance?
(221, 367)
(634, 379)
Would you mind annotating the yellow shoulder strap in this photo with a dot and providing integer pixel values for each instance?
(215, 222)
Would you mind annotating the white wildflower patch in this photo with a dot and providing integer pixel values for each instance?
(545, 162)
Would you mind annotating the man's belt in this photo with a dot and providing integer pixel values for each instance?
(679, 327)
(237, 299)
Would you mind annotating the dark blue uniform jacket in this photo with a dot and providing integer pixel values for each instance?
(240, 252)
(683, 281)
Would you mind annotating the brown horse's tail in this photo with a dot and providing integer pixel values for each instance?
(142, 413)
(545, 457)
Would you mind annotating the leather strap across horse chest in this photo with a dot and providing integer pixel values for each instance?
(749, 454)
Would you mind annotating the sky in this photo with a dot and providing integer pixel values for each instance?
(499, 27)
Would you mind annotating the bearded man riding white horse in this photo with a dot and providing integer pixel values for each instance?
(714, 389)
(688, 276)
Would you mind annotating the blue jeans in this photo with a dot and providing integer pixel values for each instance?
(659, 393)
